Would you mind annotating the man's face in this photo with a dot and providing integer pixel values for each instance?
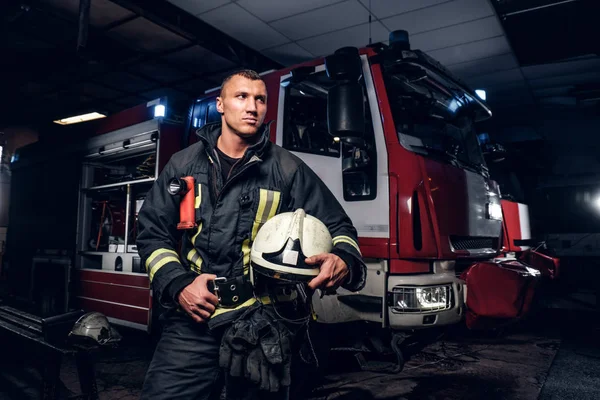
(243, 105)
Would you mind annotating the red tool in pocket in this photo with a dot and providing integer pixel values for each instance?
(187, 214)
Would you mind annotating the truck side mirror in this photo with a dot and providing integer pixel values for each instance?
(345, 100)
(346, 111)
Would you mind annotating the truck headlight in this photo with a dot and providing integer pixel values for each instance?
(494, 211)
(421, 299)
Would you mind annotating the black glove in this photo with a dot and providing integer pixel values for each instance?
(236, 342)
(259, 347)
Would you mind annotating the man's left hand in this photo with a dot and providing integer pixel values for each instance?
(333, 271)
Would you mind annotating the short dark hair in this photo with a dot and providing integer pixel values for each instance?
(246, 73)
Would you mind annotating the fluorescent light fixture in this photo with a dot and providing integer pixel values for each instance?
(481, 94)
(597, 202)
(159, 111)
(1, 150)
(79, 118)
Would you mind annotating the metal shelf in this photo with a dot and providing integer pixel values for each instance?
(101, 253)
(111, 185)
(97, 253)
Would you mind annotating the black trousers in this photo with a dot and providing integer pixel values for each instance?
(185, 365)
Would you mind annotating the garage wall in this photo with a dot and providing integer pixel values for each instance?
(559, 165)
(11, 139)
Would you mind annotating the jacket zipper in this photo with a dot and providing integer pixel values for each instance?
(245, 167)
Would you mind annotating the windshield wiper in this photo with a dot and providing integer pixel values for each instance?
(452, 158)
(478, 167)
(428, 150)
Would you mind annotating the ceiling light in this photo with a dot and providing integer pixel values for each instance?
(79, 118)
(481, 94)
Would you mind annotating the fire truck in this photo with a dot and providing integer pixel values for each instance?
(392, 134)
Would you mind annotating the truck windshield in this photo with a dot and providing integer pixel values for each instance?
(430, 118)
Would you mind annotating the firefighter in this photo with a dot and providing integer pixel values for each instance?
(241, 180)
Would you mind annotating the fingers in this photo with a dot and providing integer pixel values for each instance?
(319, 280)
(196, 318)
(210, 298)
(207, 305)
(332, 271)
(195, 314)
(337, 278)
(206, 294)
(200, 313)
(325, 274)
(198, 309)
(319, 258)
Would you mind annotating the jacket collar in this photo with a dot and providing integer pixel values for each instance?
(209, 134)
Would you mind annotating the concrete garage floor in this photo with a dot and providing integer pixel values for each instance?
(554, 356)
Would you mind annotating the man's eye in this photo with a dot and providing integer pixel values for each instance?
(241, 96)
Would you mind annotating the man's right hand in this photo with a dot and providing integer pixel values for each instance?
(197, 300)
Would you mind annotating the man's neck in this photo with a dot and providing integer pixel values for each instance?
(231, 144)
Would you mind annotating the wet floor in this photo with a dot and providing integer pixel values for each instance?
(519, 363)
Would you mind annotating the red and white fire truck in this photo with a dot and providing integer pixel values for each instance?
(392, 134)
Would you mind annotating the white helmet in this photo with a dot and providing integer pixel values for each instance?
(285, 241)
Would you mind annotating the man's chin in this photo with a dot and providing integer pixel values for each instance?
(247, 131)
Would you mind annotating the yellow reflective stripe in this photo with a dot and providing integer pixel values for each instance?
(197, 205)
(193, 239)
(346, 239)
(196, 261)
(274, 205)
(246, 252)
(222, 310)
(162, 262)
(262, 202)
(249, 302)
(198, 197)
(267, 207)
(268, 204)
(156, 256)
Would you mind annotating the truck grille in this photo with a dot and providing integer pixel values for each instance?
(473, 242)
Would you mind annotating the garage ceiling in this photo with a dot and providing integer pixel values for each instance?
(523, 52)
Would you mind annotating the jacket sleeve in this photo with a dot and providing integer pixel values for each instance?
(159, 237)
(311, 194)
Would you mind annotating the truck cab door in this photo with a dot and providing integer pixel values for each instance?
(357, 175)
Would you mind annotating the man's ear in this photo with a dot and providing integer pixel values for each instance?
(220, 105)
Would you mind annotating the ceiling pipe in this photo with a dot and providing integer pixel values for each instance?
(536, 8)
(84, 23)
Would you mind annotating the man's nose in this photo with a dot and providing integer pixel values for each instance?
(251, 106)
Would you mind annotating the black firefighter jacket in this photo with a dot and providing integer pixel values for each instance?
(267, 180)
